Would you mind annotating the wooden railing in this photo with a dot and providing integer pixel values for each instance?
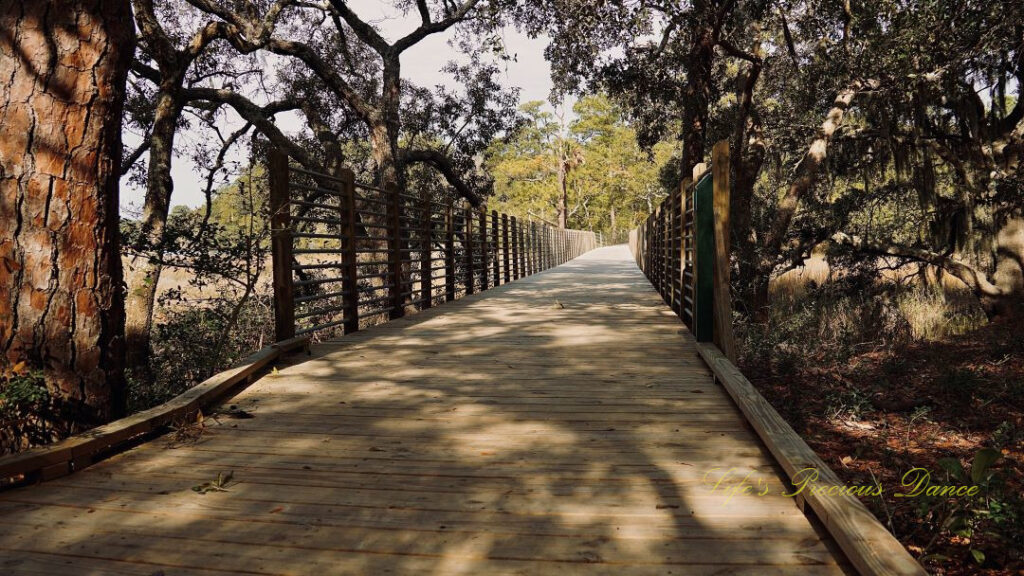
(683, 248)
(347, 254)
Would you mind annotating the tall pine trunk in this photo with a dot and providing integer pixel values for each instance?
(63, 68)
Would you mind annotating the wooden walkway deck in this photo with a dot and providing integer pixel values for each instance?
(560, 424)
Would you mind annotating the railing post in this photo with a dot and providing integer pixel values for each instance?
(515, 249)
(281, 245)
(449, 254)
(704, 257)
(426, 251)
(350, 280)
(485, 266)
(505, 248)
(467, 245)
(394, 218)
(542, 231)
(495, 262)
(670, 250)
(532, 248)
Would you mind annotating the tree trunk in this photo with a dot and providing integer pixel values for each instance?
(385, 132)
(143, 275)
(806, 174)
(747, 159)
(64, 66)
(696, 96)
(563, 191)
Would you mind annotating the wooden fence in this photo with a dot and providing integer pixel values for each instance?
(347, 254)
(683, 248)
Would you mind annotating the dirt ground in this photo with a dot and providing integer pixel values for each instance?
(886, 412)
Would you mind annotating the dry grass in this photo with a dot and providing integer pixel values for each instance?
(937, 308)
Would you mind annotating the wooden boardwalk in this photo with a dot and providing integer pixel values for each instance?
(562, 424)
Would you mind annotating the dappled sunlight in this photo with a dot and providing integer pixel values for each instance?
(559, 423)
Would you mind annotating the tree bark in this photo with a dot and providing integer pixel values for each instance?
(64, 65)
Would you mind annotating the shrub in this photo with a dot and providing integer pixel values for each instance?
(29, 414)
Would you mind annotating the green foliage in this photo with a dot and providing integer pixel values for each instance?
(966, 517)
(848, 403)
(29, 414)
(611, 182)
(213, 305)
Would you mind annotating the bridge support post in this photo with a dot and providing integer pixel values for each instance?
(516, 241)
(394, 216)
(281, 245)
(467, 245)
(449, 254)
(485, 264)
(350, 281)
(426, 251)
(495, 260)
(704, 256)
(506, 262)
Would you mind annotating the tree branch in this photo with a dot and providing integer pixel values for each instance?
(442, 164)
(975, 280)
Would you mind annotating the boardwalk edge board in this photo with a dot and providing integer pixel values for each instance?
(870, 547)
(79, 451)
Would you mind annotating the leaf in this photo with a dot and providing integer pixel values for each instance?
(979, 556)
(218, 485)
(983, 459)
(954, 467)
(19, 369)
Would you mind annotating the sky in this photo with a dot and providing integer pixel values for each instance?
(420, 65)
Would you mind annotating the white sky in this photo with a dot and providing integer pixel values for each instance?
(420, 65)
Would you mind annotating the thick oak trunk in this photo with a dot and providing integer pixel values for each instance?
(63, 67)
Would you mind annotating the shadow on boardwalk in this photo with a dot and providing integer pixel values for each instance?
(559, 424)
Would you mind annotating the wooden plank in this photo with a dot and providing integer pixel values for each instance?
(868, 545)
(498, 434)
(449, 254)
(723, 333)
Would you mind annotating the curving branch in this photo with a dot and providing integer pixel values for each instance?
(442, 164)
(977, 281)
(261, 117)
